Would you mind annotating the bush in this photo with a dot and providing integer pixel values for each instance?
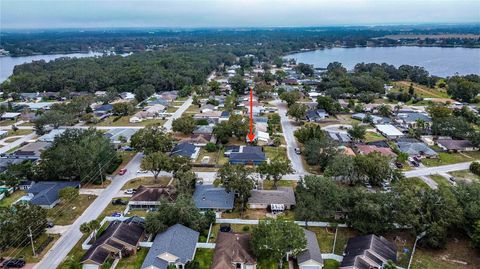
(202, 122)
(475, 168)
(246, 228)
(210, 147)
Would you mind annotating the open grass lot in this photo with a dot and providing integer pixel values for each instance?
(445, 158)
(268, 184)
(421, 90)
(417, 182)
(213, 156)
(192, 109)
(465, 175)
(325, 237)
(275, 152)
(204, 257)
(330, 264)
(26, 251)
(343, 235)
(7, 201)
(171, 109)
(371, 137)
(64, 215)
(457, 254)
(134, 261)
(125, 121)
(346, 119)
(135, 183)
(19, 132)
(441, 181)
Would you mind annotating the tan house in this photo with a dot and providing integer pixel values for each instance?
(232, 251)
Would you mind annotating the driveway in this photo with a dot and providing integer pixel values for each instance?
(17, 142)
(288, 130)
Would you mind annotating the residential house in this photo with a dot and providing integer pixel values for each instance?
(277, 200)
(209, 197)
(199, 140)
(416, 148)
(364, 117)
(31, 151)
(30, 96)
(224, 116)
(203, 129)
(6, 162)
(127, 96)
(208, 108)
(412, 120)
(25, 184)
(119, 136)
(212, 117)
(50, 136)
(233, 251)
(47, 193)
(389, 131)
(185, 149)
(10, 116)
(248, 155)
(340, 137)
(148, 197)
(367, 149)
(311, 257)
(368, 251)
(176, 246)
(263, 138)
(316, 115)
(454, 145)
(148, 113)
(121, 238)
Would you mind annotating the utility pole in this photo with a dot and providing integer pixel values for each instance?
(31, 241)
(414, 246)
(100, 173)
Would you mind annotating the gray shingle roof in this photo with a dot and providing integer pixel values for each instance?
(211, 197)
(177, 240)
(183, 149)
(47, 192)
(416, 148)
(369, 251)
(282, 195)
(313, 250)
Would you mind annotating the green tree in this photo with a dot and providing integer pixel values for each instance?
(342, 168)
(151, 139)
(274, 238)
(143, 92)
(384, 110)
(123, 108)
(320, 152)
(298, 111)
(211, 147)
(184, 124)
(475, 168)
(185, 182)
(357, 132)
(476, 235)
(156, 162)
(69, 194)
(90, 227)
(331, 106)
(214, 87)
(74, 154)
(389, 265)
(308, 132)
(291, 97)
(237, 178)
(275, 169)
(239, 126)
(238, 84)
(223, 131)
(374, 168)
(15, 221)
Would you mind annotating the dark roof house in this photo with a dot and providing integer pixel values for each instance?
(454, 145)
(311, 257)
(148, 197)
(233, 250)
(185, 149)
(46, 193)
(369, 251)
(248, 155)
(175, 246)
(211, 197)
(264, 198)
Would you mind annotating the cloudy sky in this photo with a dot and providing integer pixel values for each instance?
(231, 13)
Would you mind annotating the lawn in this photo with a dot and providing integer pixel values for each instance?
(26, 251)
(7, 201)
(343, 235)
(445, 158)
(465, 175)
(330, 264)
(325, 237)
(6, 122)
(417, 182)
(371, 137)
(125, 121)
(204, 257)
(441, 181)
(135, 183)
(270, 264)
(73, 258)
(134, 261)
(346, 119)
(65, 215)
(421, 90)
(110, 209)
(275, 152)
(11, 139)
(171, 109)
(19, 132)
(268, 184)
(213, 156)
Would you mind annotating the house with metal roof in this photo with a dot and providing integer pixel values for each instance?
(209, 197)
(47, 193)
(368, 251)
(119, 239)
(389, 131)
(311, 257)
(176, 246)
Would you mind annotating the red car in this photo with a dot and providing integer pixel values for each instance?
(122, 171)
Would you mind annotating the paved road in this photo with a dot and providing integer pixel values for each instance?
(437, 169)
(17, 143)
(288, 130)
(70, 237)
(178, 113)
(430, 182)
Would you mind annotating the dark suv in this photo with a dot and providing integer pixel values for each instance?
(14, 263)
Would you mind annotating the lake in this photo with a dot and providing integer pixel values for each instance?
(437, 61)
(7, 63)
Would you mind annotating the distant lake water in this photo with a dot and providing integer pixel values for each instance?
(7, 63)
(437, 61)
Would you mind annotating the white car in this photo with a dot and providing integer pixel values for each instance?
(142, 171)
(129, 191)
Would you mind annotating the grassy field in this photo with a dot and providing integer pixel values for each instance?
(343, 235)
(204, 257)
(417, 182)
(465, 175)
(26, 251)
(441, 181)
(7, 201)
(330, 264)
(270, 264)
(6, 122)
(134, 261)
(371, 137)
(73, 258)
(325, 237)
(268, 184)
(64, 215)
(19, 132)
(445, 158)
(135, 183)
(275, 152)
(421, 90)
(204, 153)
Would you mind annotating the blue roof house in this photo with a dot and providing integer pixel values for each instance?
(215, 198)
(185, 149)
(248, 155)
(176, 246)
(46, 193)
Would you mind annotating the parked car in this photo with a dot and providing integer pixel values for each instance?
(142, 171)
(417, 159)
(298, 151)
(50, 224)
(119, 202)
(14, 263)
(122, 171)
(116, 214)
(414, 163)
(399, 165)
(130, 191)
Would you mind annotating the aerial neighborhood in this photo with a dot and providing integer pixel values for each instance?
(248, 161)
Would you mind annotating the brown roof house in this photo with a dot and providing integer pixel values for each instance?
(119, 239)
(148, 197)
(232, 251)
(452, 145)
(367, 149)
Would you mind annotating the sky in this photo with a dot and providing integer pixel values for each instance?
(39, 14)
